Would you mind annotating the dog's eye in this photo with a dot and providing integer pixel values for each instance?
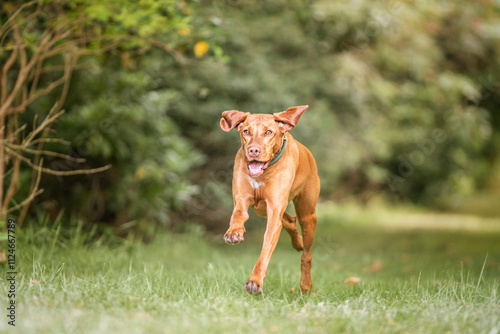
(268, 133)
(246, 132)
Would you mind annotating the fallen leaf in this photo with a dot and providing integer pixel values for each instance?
(34, 281)
(131, 298)
(389, 319)
(141, 315)
(351, 281)
(375, 267)
(3, 258)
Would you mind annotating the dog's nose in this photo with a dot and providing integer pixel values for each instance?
(253, 151)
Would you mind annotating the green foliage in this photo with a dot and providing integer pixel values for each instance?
(115, 114)
(403, 100)
(395, 106)
(131, 25)
(126, 125)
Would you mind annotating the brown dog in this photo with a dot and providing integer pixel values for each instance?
(270, 170)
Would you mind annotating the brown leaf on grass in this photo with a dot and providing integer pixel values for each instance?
(389, 319)
(465, 261)
(131, 298)
(34, 281)
(351, 281)
(141, 315)
(375, 267)
(3, 258)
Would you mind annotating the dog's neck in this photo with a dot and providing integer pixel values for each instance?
(278, 156)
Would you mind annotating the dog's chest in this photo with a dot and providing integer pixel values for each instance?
(258, 191)
(256, 185)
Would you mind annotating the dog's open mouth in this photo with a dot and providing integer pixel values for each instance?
(257, 168)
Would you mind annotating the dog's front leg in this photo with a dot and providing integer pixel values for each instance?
(234, 234)
(271, 236)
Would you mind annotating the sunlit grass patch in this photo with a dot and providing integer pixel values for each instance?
(421, 279)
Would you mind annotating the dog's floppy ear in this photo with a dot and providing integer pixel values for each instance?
(288, 119)
(231, 118)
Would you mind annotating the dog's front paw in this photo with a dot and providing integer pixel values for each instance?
(253, 287)
(234, 235)
(306, 286)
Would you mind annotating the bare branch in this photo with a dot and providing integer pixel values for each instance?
(13, 16)
(50, 140)
(35, 96)
(34, 192)
(44, 152)
(59, 173)
(7, 173)
(24, 70)
(10, 61)
(48, 120)
(36, 77)
(27, 200)
(177, 55)
(14, 183)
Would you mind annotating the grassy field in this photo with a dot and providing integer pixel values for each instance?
(420, 273)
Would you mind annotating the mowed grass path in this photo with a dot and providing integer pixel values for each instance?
(420, 273)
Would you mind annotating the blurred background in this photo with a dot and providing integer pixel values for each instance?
(404, 104)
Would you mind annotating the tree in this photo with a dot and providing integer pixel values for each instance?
(41, 44)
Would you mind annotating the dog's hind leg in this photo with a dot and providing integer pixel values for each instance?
(290, 225)
(305, 206)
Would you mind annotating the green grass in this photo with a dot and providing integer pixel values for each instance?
(439, 274)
